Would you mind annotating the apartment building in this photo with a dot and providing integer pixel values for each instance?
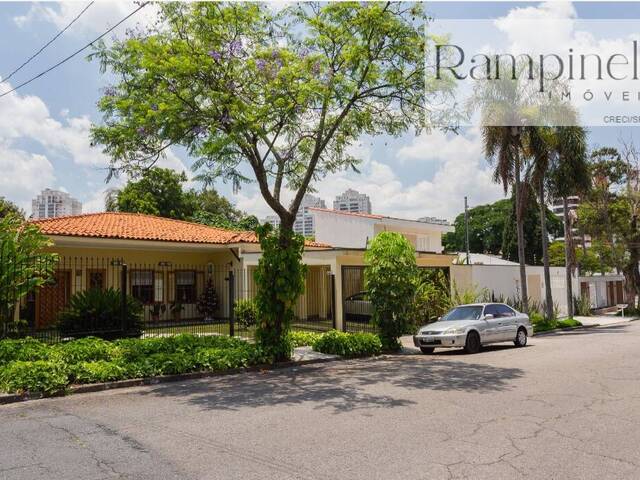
(305, 221)
(352, 201)
(54, 203)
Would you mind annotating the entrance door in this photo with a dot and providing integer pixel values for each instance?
(52, 298)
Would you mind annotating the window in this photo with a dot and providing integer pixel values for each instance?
(491, 310)
(504, 311)
(142, 285)
(186, 287)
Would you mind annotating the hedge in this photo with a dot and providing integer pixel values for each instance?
(348, 344)
(31, 366)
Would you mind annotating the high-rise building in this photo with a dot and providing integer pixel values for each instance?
(573, 202)
(305, 221)
(54, 203)
(352, 201)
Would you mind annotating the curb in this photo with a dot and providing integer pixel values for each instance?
(9, 398)
(557, 331)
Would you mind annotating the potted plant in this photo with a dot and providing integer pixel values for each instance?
(156, 310)
(176, 310)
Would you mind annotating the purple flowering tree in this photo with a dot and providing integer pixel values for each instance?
(275, 98)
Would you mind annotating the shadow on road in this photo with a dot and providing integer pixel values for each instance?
(343, 387)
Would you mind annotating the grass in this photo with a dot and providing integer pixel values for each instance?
(555, 325)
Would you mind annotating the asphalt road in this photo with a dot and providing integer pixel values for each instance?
(566, 407)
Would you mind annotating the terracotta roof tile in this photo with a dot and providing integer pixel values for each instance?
(135, 226)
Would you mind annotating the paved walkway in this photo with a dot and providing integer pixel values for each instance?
(603, 320)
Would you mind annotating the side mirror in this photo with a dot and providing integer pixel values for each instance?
(488, 316)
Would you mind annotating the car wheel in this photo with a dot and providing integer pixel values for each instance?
(472, 345)
(521, 338)
(427, 350)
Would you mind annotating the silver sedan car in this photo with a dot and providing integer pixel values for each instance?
(471, 326)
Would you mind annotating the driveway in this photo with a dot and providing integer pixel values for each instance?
(565, 407)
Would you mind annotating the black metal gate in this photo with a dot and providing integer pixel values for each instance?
(357, 310)
(356, 307)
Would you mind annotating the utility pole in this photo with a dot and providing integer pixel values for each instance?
(466, 228)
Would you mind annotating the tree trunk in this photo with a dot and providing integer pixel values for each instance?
(520, 231)
(545, 253)
(568, 257)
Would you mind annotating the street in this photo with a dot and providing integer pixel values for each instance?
(566, 407)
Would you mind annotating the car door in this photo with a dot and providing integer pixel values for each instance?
(509, 324)
(492, 325)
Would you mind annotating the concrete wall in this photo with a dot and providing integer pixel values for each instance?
(344, 231)
(504, 281)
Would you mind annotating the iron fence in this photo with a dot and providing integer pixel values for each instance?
(174, 297)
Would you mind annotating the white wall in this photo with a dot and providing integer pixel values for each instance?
(344, 231)
(504, 280)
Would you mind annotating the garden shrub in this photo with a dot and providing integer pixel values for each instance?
(25, 349)
(348, 344)
(33, 376)
(302, 339)
(172, 363)
(88, 349)
(390, 280)
(246, 313)
(29, 365)
(96, 371)
(221, 359)
(97, 312)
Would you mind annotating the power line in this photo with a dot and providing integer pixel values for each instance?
(5, 79)
(80, 50)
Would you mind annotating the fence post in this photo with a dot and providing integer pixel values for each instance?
(123, 297)
(332, 283)
(232, 301)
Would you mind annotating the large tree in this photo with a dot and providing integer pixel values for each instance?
(157, 191)
(277, 98)
(7, 207)
(569, 176)
(609, 211)
(533, 252)
(487, 225)
(161, 192)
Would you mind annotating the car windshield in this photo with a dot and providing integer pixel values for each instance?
(463, 313)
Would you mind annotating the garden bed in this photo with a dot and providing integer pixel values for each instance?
(32, 369)
(541, 327)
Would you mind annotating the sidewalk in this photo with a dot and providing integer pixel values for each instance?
(603, 320)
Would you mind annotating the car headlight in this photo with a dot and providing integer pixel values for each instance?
(453, 331)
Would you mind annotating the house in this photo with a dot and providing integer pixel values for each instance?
(603, 290)
(167, 264)
(164, 263)
(501, 278)
(354, 230)
(343, 263)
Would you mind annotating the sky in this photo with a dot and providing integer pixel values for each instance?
(44, 126)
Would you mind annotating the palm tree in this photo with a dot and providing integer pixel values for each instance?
(504, 145)
(512, 111)
(569, 177)
(541, 144)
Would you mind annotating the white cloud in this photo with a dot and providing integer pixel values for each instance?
(27, 117)
(461, 170)
(23, 175)
(99, 17)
